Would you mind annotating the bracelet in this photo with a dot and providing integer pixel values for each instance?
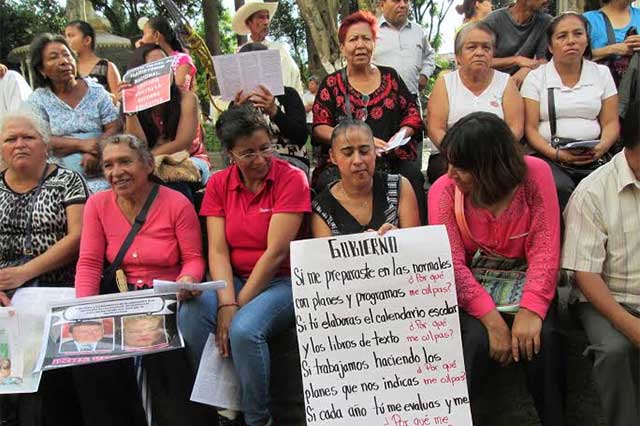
(226, 305)
(130, 114)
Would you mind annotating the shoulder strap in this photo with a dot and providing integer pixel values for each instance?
(461, 220)
(347, 101)
(28, 240)
(611, 37)
(135, 228)
(551, 105)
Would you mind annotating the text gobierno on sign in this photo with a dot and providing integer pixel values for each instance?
(378, 329)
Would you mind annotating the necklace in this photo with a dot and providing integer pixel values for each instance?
(363, 204)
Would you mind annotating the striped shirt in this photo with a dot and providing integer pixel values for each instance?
(603, 230)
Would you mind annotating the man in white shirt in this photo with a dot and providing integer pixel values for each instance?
(602, 242)
(13, 90)
(404, 45)
(253, 18)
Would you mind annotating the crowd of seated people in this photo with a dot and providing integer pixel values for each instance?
(499, 185)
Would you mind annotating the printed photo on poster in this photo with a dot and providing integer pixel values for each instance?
(108, 327)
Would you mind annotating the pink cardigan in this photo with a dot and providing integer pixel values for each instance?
(167, 247)
(529, 228)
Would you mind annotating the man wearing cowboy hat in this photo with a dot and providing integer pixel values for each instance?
(253, 18)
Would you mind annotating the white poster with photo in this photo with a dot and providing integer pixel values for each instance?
(108, 327)
(21, 328)
(378, 329)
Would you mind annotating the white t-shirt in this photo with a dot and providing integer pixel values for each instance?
(463, 101)
(308, 98)
(13, 91)
(577, 107)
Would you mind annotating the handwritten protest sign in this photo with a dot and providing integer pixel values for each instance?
(108, 327)
(378, 330)
(151, 85)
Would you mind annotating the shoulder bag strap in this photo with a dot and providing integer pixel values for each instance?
(461, 220)
(28, 240)
(135, 228)
(551, 105)
(611, 37)
(347, 101)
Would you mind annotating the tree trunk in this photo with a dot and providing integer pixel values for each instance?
(211, 16)
(314, 64)
(575, 5)
(241, 39)
(322, 25)
(369, 5)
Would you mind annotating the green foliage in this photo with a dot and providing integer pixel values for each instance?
(288, 24)
(21, 20)
(228, 44)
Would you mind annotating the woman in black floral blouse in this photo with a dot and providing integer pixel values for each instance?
(378, 96)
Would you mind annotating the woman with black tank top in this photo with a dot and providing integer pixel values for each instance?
(363, 199)
(82, 38)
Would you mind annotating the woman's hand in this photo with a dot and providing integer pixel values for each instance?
(225, 316)
(499, 337)
(577, 157)
(122, 86)
(380, 146)
(187, 294)
(525, 334)
(632, 42)
(13, 277)
(90, 164)
(3, 70)
(4, 299)
(524, 62)
(263, 99)
(386, 227)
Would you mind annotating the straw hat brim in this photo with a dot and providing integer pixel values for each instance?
(238, 23)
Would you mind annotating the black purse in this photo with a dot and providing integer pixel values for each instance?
(113, 278)
(577, 173)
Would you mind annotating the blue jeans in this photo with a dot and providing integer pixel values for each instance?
(268, 314)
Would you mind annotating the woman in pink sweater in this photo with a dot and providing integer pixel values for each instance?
(511, 210)
(168, 247)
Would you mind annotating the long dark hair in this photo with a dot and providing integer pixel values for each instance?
(169, 111)
(467, 8)
(35, 54)
(86, 29)
(482, 144)
(161, 25)
(554, 24)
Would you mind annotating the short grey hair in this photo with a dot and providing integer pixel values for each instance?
(461, 37)
(39, 124)
(138, 145)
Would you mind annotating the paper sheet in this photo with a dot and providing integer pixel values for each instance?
(31, 306)
(161, 286)
(216, 382)
(245, 71)
(397, 140)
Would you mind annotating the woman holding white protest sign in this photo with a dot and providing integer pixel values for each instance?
(362, 199)
(254, 209)
(501, 213)
(125, 227)
(79, 111)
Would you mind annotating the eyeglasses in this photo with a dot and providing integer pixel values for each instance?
(250, 156)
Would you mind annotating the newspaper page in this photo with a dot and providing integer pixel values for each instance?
(21, 328)
(246, 71)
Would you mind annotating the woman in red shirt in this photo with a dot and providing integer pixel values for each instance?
(254, 209)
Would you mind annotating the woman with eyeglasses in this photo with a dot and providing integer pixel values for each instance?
(374, 94)
(254, 209)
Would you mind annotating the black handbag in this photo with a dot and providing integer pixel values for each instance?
(113, 279)
(577, 173)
